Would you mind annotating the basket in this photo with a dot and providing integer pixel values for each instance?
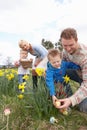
(26, 63)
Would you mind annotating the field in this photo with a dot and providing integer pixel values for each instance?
(31, 109)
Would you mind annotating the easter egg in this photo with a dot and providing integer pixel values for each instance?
(52, 120)
(57, 104)
(65, 112)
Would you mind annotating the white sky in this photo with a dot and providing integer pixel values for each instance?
(33, 20)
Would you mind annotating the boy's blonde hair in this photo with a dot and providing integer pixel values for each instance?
(53, 53)
(24, 61)
(23, 52)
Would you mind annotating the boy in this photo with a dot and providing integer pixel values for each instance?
(56, 70)
(23, 68)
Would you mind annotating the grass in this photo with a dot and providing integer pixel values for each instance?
(33, 112)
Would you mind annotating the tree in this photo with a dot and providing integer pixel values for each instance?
(47, 44)
(58, 45)
(8, 62)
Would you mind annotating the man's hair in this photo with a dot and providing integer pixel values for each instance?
(69, 33)
(53, 53)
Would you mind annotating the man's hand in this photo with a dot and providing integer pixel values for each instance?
(65, 103)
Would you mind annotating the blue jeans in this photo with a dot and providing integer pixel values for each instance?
(74, 76)
(20, 78)
(68, 89)
(35, 81)
(83, 106)
(72, 73)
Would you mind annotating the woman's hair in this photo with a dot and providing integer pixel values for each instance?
(53, 53)
(21, 42)
(69, 33)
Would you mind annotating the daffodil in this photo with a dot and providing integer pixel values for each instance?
(24, 83)
(1, 73)
(40, 71)
(14, 71)
(6, 71)
(20, 96)
(10, 76)
(22, 90)
(66, 79)
(21, 86)
(26, 77)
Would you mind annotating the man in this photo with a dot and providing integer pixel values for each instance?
(77, 53)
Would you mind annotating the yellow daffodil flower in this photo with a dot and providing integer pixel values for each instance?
(66, 79)
(40, 71)
(20, 96)
(1, 73)
(26, 77)
(22, 90)
(6, 71)
(21, 86)
(14, 71)
(10, 76)
(24, 83)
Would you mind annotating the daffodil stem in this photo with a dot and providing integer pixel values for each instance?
(3, 128)
(7, 122)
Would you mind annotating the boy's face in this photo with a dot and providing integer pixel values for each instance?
(55, 61)
(24, 54)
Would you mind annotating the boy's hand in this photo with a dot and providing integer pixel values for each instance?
(56, 102)
(16, 63)
(31, 60)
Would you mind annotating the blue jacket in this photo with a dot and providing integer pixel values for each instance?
(56, 75)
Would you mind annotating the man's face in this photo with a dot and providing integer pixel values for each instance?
(55, 61)
(69, 45)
